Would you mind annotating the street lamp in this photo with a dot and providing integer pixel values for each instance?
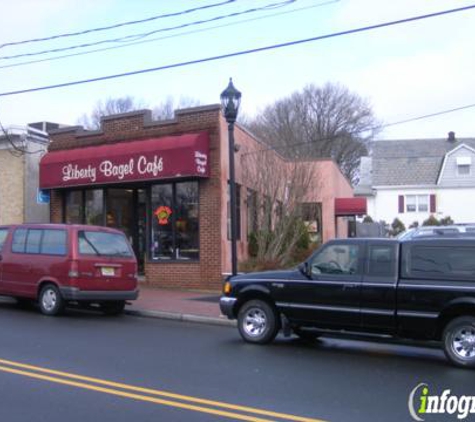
(230, 101)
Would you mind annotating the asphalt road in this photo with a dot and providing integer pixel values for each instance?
(85, 366)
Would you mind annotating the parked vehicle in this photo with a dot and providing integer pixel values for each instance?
(56, 264)
(422, 289)
(437, 231)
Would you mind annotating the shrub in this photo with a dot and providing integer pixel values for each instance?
(431, 221)
(367, 219)
(397, 226)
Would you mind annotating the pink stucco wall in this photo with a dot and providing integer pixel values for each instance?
(329, 184)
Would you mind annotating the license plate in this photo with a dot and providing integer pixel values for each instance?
(107, 271)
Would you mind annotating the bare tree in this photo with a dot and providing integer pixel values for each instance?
(278, 188)
(327, 122)
(165, 110)
(108, 107)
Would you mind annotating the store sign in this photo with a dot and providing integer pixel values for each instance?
(163, 214)
(181, 156)
(110, 170)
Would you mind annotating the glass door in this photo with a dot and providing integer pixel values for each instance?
(126, 211)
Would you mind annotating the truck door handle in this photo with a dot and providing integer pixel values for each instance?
(350, 286)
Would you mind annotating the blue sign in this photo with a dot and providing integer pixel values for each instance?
(43, 196)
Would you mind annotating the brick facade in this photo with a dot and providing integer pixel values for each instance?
(207, 273)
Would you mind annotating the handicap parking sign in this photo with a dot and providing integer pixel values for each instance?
(43, 196)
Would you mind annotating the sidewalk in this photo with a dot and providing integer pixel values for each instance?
(179, 305)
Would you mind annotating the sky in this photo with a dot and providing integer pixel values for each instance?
(404, 71)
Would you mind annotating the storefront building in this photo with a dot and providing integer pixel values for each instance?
(21, 148)
(164, 183)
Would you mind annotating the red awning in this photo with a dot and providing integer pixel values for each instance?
(350, 206)
(150, 159)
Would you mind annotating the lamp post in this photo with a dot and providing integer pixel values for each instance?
(230, 101)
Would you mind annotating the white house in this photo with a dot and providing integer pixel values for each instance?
(412, 179)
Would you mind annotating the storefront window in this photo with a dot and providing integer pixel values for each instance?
(175, 233)
(162, 242)
(95, 207)
(186, 222)
(74, 207)
(238, 212)
(252, 212)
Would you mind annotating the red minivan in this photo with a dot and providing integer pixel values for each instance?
(56, 264)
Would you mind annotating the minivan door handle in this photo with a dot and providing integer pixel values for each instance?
(1, 257)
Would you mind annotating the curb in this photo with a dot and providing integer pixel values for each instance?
(174, 316)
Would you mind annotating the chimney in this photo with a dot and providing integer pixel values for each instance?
(451, 137)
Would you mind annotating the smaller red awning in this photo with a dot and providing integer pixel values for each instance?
(150, 159)
(350, 206)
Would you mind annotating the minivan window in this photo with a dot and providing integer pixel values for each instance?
(103, 244)
(33, 241)
(54, 242)
(3, 236)
(19, 240)
(39, 241)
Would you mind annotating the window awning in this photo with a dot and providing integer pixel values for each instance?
(150, 159)
(350, 206)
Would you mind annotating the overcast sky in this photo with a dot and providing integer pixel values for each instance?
(405, 71)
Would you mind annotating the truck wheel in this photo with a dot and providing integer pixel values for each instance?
(50, 300)
(257, 322)
(113, 308)
(459, 341)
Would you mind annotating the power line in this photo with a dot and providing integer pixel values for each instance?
(106, 28)
(147, 34)
(373, 128)
(239, 53)
(130, 44)
(426, 116)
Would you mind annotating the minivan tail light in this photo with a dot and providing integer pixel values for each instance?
(74, 269)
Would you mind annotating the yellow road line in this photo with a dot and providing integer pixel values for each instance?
(159, 393)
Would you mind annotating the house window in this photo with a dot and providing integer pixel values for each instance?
(417, 203)
(411, 203)
(463, 166)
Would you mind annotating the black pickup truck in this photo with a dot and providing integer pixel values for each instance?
(421, 289)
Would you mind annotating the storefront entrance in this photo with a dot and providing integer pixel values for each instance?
(126, 211)
(123, 209)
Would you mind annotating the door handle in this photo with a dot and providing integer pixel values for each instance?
(350, 286)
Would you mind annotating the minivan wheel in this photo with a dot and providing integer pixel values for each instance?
(113, 307)
(257, 322)
(50, 300)
(459, 341)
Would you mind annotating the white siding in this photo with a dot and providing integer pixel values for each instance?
(449, 175)
(458, 203)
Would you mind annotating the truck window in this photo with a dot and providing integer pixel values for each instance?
(437, 261)
(382, 260)
(336, 259)
(3, 237)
